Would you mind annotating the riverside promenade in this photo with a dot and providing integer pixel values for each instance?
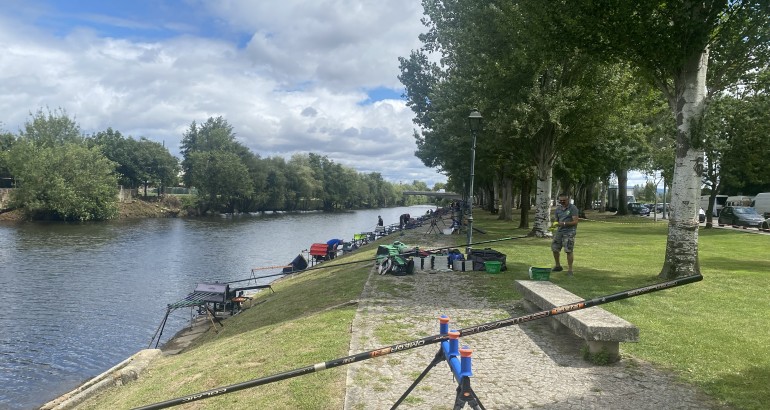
(516, 367)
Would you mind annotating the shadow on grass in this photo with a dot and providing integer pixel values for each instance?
(584, 281)
(752, 379)
(730, 264)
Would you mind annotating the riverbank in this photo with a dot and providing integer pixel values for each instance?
(132, 209)
(135, 267)
(310, 319)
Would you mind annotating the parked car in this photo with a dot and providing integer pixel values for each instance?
(701, 215)
(740, 216)
(638, 208)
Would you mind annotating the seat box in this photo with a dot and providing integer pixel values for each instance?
(479, 256)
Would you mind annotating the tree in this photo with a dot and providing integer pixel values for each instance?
(540, 95)
(213, 135)
(670, 42)
(137, 162)
(158, 167)
(737, 140)
(51, 129)
(222, 169)
(57, 175)
(221, 179)
(7, 140)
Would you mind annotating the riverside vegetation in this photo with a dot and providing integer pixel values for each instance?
(711, 334)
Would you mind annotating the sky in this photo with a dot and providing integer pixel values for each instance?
(290, 76)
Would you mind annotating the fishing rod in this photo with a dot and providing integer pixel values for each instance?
(257, 277)
(270, 267)
(509, 238)
(571, 307)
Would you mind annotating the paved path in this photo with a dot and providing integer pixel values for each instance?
(517, 367)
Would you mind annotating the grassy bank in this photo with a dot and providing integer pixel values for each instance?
(712, 333)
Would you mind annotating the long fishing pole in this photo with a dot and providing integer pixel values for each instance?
(584, 304)
(509, 238)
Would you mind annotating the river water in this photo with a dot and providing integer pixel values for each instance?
(79, 298)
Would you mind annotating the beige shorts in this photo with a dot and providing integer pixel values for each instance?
(565, 240)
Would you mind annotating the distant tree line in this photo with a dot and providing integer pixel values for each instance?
(229, 177)
(62, 174)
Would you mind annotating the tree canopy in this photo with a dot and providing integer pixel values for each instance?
(556, 80)
(57, 175)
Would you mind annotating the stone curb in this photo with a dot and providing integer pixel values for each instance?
(120, 374)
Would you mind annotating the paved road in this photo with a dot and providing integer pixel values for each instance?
(518, 367)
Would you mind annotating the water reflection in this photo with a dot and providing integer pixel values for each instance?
(80, 298)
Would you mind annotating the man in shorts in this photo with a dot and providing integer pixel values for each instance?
(566, 216)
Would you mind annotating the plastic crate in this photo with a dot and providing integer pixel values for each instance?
(492, 266)
(539, 273)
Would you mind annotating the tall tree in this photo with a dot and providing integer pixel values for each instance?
(7, 140)
(669, 41)
(58, 176)
(221, 178)
(137, 162)
(51, 128)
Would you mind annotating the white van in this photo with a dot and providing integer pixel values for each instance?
(719, 203)
(738, 201)
(761, 204)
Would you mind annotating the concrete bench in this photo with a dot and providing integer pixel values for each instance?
(601, 330)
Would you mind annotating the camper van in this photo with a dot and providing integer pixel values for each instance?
(738, 201)
(719, 203)
(761, 204)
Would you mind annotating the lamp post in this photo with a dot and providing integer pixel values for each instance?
(474, 123)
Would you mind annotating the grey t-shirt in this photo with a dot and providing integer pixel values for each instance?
(565, 214)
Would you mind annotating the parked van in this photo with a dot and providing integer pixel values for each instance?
(761, 204)
(719, 203)
(738, 201)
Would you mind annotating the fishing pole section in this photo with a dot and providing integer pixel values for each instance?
(438, 338)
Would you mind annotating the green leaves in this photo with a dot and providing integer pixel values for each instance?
(68, 182)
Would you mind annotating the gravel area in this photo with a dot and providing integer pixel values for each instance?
(517, 367)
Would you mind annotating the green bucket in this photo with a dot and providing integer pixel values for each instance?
(492, 266)
(539, 273)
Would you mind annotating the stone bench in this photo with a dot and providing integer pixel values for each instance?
(601, 330)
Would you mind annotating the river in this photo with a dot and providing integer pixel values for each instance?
(80, 298)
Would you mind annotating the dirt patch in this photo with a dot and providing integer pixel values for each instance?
(148, 209)
(12, 216)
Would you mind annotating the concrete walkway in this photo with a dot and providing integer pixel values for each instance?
(517, 367)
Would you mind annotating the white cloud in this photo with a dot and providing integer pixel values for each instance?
(297, 85)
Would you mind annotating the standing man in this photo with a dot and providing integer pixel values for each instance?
(567, 218)
(379, 220)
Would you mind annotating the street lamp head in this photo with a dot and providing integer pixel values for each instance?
(474, 120)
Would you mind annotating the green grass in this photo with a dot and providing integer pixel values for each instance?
(712, 333)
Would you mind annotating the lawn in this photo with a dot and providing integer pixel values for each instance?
(711, 333)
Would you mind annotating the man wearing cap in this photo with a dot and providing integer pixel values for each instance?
(566, 215)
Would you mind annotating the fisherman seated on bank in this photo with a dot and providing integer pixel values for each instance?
(332, 245)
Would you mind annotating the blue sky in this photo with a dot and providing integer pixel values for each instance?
(291, 76)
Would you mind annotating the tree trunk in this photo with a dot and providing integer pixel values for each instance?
(543, 201)
(506, 199)
(622, 192)
(603, 195)
(682, 243)
(526, 193)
